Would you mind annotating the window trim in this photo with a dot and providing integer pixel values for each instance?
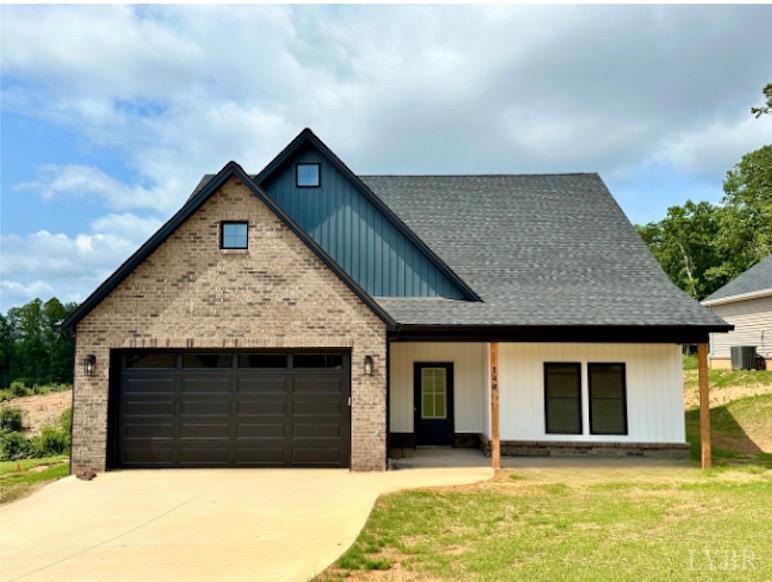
(578, 366)
(318, 171)
(590, 365)
(222, 235)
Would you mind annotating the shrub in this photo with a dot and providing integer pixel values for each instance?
(18, 389)
(14, 446)
(52, 440)
(10, 419)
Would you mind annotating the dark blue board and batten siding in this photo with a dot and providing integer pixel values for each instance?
(365, 244)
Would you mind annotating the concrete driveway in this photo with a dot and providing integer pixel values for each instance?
(234, 524)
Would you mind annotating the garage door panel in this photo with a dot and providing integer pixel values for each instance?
(206, 407)
(262, 384)
(145, 457)
(317, 430)
(200, 454)
(318, 407)
(319, 385)
(316, 455)
(233, 416)
(263, 455)
(214, 385)
(150, 385)
(262, 430)
(248, 408)
(149, 407)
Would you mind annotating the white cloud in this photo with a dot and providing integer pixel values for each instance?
(175, 92)
(43, 264)
(85, 181)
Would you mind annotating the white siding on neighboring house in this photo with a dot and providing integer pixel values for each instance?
(470, 360)
(655, 409)
(752, 319)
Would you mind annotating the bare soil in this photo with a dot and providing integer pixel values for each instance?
(42, 409)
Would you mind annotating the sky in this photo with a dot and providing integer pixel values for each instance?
(111, 114)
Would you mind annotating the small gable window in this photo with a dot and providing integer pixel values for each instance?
(233, 235)
(307, 175)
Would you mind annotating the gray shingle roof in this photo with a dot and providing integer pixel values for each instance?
(539, 250)
(757, 278)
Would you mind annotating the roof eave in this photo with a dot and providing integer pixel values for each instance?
(739, 297)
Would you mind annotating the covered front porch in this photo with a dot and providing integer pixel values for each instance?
(476, 402)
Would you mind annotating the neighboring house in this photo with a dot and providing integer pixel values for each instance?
(746, 303)
(308, 316)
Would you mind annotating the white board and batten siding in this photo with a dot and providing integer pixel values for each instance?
(752, 320)
(655, 410)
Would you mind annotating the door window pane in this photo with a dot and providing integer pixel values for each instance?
(608, 414)
(433, 393)
(562, 398)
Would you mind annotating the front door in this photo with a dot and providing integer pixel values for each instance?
(433, 403)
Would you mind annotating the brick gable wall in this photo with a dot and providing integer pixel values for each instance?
(191, 294)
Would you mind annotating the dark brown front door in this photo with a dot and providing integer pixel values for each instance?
(213, 409)
(433, 403)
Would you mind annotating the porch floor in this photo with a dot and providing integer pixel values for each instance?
(430, 457)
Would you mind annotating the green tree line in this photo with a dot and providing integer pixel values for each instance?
(32, 349)
(702, 246)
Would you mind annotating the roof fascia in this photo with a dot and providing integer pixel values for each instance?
(738, 297)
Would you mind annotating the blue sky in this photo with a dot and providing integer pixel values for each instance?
(111, 114)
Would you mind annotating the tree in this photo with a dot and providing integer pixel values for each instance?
(684, 244)
(764, 109)
(32, 348)
(747, 232)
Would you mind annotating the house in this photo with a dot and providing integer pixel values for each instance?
(309, 316)
(746, 303)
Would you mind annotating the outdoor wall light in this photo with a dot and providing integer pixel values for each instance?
(89, 363)
(368, 365)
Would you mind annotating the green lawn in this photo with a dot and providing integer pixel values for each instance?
(18, 478)
(587, 524)
(741, 431)
(523, 527)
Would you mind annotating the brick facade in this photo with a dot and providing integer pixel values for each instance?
(191, 294)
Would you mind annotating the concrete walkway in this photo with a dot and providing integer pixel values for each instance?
(234, 524)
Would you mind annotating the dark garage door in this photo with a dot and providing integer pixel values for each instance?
(231, 409)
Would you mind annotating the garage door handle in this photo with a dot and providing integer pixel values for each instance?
(349, 401)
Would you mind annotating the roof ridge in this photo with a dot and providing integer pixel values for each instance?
(500, 175)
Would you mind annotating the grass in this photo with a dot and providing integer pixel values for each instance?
(19, 478)
(525, 528)
(741, 431)
(678, 524)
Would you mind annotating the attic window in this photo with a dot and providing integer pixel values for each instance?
(307, 175)
(233, 235)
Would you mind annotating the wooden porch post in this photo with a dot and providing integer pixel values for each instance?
(702, 366)
(495, 442)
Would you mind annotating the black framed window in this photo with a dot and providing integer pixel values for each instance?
(151, 360)
(233, 235)
(207, 360)
(317, 361)
(308, 175)
(563, 398)
(608, 398)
